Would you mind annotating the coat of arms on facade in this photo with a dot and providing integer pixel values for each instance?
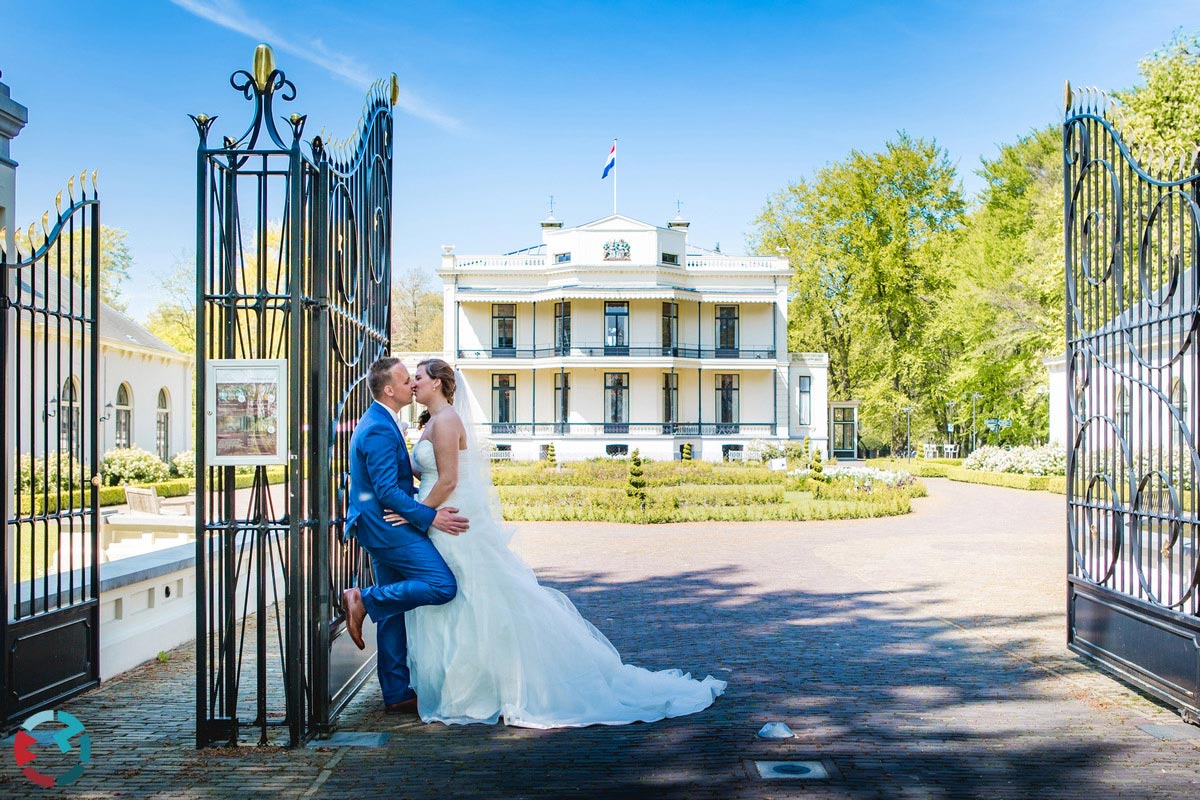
(616, 250)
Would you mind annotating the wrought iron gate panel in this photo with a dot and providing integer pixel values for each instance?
(1133, 303)
(49, 419)
(293, 262)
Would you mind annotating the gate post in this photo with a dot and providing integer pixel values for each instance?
(13, 117)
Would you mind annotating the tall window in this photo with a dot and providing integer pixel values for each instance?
(804, 412)
(504, 403)
(124, 412)
(1124, 410)
(562, 328)
(162, 426)
(1179, 397)
(616, 402)
(727, 404)
(670, 401)
(727, 331)
(70, 417)
(670, 328)
(616, 328)
(504, 329)
(562, 399)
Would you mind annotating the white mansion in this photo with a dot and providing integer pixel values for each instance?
(616, 335)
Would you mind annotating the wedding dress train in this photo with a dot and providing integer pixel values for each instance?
(508, 647)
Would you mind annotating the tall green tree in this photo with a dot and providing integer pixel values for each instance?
(116, 260)
(866, 238)
(416, 312)
(1163, 113)
(173, 318)
(1005, 314)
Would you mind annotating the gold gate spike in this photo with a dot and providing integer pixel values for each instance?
(264, 65)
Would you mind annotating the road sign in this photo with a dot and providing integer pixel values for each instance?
(992, 424)
(1006, 423)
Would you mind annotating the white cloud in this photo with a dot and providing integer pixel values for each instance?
(230, 15)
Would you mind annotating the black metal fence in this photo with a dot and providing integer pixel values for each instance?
(1133, 308)
(49, 418)
(293, 263)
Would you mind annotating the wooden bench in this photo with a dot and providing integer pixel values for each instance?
(147, 501)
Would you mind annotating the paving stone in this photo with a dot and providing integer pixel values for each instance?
(919, 657)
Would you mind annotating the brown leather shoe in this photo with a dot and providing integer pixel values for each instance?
(356, 612)
(403, 707)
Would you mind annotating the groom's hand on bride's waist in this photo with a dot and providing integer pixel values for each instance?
(448, 521)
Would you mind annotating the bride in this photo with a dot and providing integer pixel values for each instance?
(507, 646)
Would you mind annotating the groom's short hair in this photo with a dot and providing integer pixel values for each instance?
(381, 374)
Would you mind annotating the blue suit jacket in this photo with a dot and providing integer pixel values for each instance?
(381, 477)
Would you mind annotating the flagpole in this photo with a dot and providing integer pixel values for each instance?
(614, 182)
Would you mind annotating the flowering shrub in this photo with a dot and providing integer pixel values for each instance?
(125, 465)
(762, 450)
(1050, 459)
(867, 478)
(61, 471)
(183, 465)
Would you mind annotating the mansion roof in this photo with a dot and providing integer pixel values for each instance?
(615, 244)
(115, 328)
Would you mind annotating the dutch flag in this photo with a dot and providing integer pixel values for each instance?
(612, 161)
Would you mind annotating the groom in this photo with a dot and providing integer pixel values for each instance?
(409, 571)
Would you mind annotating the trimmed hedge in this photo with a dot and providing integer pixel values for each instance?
(921, 468)
(1011, 480)
(49, 503)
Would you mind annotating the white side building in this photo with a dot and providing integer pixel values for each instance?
(617, 335)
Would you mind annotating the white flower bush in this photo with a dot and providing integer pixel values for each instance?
(183, 465)
(125, 465)
(1050, 459)
(867, 477)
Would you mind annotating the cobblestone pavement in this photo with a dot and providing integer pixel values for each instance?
(915, 657)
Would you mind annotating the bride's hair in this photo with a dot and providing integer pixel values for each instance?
(437, 369)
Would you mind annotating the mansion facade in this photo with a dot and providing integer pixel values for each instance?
(617, 335)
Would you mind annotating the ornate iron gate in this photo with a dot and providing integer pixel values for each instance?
(293, 262)
(49, 416)
(1133, 304)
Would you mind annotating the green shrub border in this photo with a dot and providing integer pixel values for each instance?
(48, 502)
(1010, 480)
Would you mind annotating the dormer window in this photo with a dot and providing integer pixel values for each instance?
(562, 258)
(670, 258)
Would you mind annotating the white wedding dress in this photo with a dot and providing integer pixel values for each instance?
(508, 647)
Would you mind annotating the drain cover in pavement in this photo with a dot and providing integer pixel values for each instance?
(1172, 731)
(792, 770)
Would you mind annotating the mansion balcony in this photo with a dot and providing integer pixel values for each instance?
(598, 350)
(645, 429)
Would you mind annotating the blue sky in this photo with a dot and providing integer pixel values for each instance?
(718, 104)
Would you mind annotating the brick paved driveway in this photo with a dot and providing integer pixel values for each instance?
(920, 656)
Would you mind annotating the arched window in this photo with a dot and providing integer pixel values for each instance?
(1179, 397)
(162, 425)
(70, 417)
(124, 414)
(1124, 409)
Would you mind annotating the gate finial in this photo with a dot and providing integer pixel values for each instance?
(1066, 95)
(395, 89)
(264, 65)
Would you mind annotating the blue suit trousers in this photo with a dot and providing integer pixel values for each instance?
(406, 576)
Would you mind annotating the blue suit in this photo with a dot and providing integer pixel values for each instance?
(409, 571)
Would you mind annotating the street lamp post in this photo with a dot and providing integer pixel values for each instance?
(974, 396)
(908, 432)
